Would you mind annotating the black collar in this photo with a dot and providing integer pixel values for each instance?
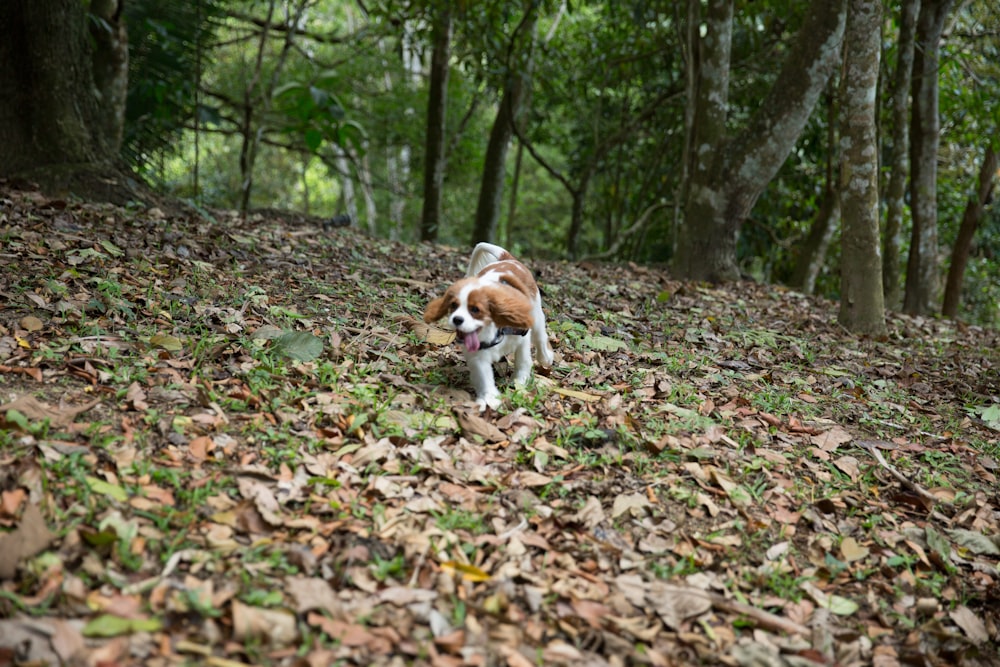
(505, 331)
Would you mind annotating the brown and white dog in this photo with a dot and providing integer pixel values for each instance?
(496, 309)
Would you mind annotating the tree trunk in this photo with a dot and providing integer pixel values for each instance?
(922, 264)
(437, 108)
(862, 309)
(728, 176)
(60, 107)
(248, 144)
(495, 162)
(970, 221)
(898, 163)
(708, 241)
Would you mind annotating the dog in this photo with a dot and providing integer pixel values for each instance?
(496, 309)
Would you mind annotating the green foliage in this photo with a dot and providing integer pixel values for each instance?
(167, 43)
(605, 120)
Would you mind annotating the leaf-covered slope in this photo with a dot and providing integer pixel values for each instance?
(229, 442)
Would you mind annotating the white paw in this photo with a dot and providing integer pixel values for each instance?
(544, 356)
(492, 401)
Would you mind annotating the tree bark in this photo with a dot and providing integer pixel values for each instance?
(898, 163)
(922, 281)
(728, 176)
(53, 117)
(495, 162)
(437, 108)
(862, 309)
(970, 221)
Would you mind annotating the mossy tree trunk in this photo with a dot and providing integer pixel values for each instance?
(61, 88)
(495, 161)
(963, 244)
(727, 174)
(922, 280)
(862, 308)
(899, 157)
(437, 108)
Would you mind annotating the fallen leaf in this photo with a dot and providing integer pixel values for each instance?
(971, 624)
(109, 625)
(166, 342)
(635, 504)
(31, 323)
(467, 572)
(312, 593)
(474, 425)
(852, 551)
(31, 536)
(36, 411)
(676, 604)
(348, 634)
(976, 542)
(276, 627)
(831, 439)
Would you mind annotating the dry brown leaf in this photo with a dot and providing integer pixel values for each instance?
(400, 595)
(32, 638)
(636, 504)
(830, 440)
(262, 498)
(428, 333)
(136, 397)
(852, 551)
(312, 593)
(35, 410)
(676, 604)
(591, 514)
(474, 425)
(348, 634)
(10, 502)
(30, 537)
(271, 626)
(971, 624)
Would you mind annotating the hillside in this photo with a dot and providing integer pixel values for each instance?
(231, 443)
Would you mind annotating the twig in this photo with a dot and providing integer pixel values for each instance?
(764, 619)
(900, 477)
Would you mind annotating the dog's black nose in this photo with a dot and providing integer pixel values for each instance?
(457, 320)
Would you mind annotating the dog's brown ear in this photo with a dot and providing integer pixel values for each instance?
(510, 310)
(436, 309)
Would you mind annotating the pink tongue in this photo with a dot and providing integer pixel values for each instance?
(471, 341)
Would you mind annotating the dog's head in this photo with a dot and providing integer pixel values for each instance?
(478, 307)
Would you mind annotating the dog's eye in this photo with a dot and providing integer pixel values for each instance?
(474, 310)
(453, 307)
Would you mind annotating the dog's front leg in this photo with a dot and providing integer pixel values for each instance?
(481, 374)
(522, 361)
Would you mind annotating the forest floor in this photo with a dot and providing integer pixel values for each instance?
(227, 443)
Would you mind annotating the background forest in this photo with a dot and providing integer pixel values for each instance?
(578, 129)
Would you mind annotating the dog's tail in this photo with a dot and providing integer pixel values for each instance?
(485, 254)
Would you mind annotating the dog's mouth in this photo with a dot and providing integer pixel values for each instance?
(469, 339)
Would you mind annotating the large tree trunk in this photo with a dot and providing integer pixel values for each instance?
(437, 108)
(898, 163)
(921, 292)
(862, 309)
(495, 162)
(61, 106)
(705, 114)
(728, 177)
(970, 221)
